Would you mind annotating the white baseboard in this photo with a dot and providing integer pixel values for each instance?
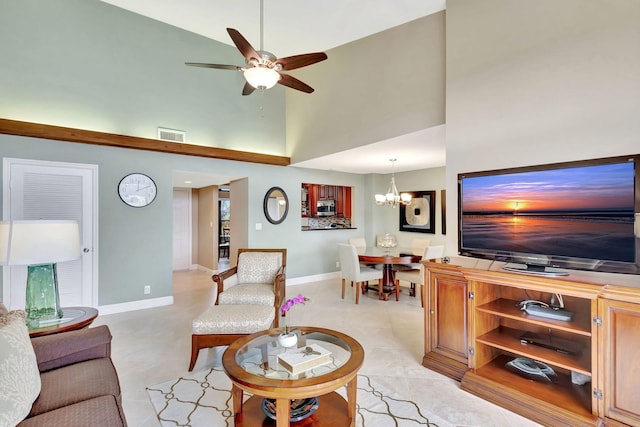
(314, 278)
(201, 268)
(135, 305)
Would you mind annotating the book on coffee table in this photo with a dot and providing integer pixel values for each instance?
(304, 358)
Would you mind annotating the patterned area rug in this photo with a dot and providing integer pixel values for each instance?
(204, 399)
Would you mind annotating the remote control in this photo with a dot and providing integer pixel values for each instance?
(548, 312)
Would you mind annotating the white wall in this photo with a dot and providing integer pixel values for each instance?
(379, 87)
(539, 82)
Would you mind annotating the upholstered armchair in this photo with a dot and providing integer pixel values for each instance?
(257, 279)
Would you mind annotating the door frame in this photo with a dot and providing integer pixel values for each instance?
(7, 162)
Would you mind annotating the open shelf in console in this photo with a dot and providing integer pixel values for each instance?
(508, 339)
(508, 308)
(562, 394)
(501, 331)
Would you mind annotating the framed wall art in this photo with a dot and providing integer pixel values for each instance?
(419, 215)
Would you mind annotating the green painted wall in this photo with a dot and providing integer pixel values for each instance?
(135, 245)
(90, 65)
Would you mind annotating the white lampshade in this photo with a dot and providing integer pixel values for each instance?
(261, 77)
(43, 242)
(4, 241)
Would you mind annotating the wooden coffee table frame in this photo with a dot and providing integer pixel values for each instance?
(285, 390)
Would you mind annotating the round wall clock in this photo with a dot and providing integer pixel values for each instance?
(137, 190)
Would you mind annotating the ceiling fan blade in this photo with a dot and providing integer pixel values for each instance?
(292, 82)
(247, 89)
(298, 61)
(243, 45)
(219, 66)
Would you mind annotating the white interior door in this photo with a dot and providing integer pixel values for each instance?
(52, 190)
(181, 229)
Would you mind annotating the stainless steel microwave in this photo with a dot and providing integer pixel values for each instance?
(326, 207)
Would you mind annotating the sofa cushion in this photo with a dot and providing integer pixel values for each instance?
(98, 412)
(19, 375)
(258, 267)
(76, 383)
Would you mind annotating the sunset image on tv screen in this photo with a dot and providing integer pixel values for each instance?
(583, 212)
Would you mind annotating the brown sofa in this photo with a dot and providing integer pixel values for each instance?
(80, 386)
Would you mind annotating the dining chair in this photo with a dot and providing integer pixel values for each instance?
(416, 275)
(419, 245)
(353, 271)
(359, 242)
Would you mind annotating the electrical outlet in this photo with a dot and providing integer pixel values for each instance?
(337, 264)
(147, 289)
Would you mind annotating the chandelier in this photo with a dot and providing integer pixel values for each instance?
(392, 198)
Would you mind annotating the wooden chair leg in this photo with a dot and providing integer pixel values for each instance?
(358, 284)
(343, 285)
(397, 283)
(195, 349)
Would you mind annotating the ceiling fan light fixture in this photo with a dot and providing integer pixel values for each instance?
(261, 77)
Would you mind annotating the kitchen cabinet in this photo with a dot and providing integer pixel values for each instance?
(596, 375)
(343, 202)
(327, 192)
(314, 192)
(312, 200)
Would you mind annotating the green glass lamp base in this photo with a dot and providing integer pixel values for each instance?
(43, 299)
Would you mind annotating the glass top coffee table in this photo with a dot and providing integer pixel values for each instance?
(252, 365)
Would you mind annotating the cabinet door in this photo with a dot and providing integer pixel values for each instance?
(620, 360)
(312, 200)
(331, 192)
(347, 202)
(340, 201)
(446, 333)
(448, 311)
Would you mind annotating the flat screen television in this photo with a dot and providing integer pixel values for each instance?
(577, 215)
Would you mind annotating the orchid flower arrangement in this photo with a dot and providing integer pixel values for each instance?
(287, 305)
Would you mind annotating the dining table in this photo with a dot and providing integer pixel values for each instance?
(388, 258)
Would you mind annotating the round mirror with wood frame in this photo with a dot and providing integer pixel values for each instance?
(275, 205)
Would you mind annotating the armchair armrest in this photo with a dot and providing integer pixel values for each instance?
(66, 348)
(219, 279)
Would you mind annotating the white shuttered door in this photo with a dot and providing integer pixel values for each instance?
(58, 191)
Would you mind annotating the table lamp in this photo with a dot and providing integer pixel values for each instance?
(40, 245)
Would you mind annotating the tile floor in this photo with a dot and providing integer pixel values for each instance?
(153, 345)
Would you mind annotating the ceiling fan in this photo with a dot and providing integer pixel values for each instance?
(264, 69)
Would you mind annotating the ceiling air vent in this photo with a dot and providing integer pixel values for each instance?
(172, 135)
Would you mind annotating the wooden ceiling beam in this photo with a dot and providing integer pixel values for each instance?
(59, 133)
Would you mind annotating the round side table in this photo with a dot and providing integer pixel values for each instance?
(72, 318)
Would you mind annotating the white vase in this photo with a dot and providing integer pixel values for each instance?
(287, 340)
